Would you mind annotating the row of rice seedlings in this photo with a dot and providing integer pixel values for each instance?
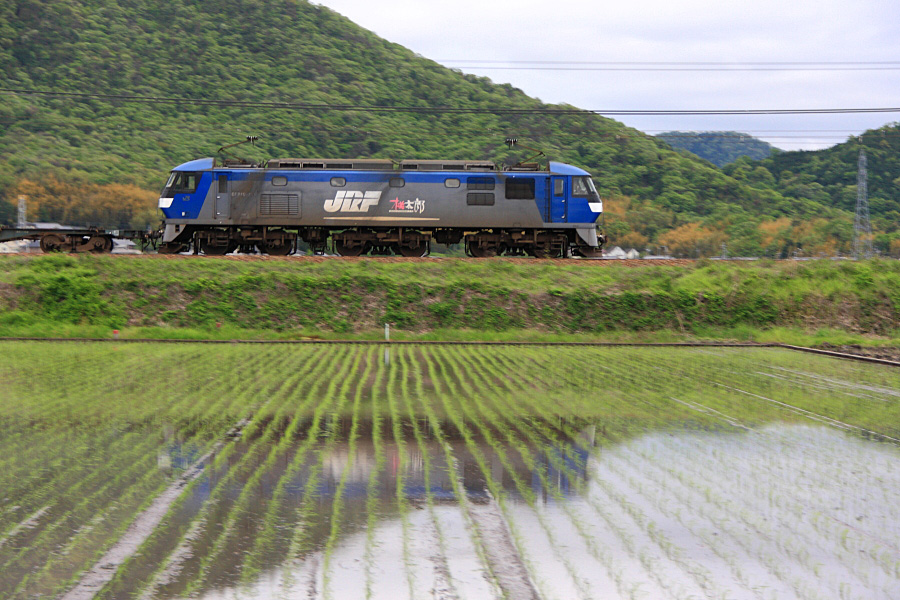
(120, 496)
(272, 523)
(229, 395)
(310, 509)
(101, 492)
(462, 411)
(728, 371)
(483, 385)
(18, 454)
(99, 537)
(540, 441)
(372, 500)
(761, 484)
(400, 444)
(174, 538)
(477, 535)
(703, 578)
(761, 532)
(132, 455)
(39, 419)
(279, 443)
(786, 403)
(443, 577)
(33, 371)
(629, 483)
(837, 374)
(337, 506)
(208, 544)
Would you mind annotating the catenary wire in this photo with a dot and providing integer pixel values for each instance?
(441, 109)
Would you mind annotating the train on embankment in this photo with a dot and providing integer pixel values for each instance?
(363, 206)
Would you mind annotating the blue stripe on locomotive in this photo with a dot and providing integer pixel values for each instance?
(188, 205)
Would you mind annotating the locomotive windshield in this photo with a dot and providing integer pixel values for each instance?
(180, 182)
(583, 186)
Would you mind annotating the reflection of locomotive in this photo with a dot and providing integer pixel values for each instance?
(380, 206)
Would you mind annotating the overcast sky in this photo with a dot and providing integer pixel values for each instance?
(775, 31)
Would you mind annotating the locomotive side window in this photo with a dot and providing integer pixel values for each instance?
(397, 182)
(520, 188)
(223, 184)
(338, 182)
(479, 199)
(559, 187)
(451, 183)
(480, 183)
(279, 180)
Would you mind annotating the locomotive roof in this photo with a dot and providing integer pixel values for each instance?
(378, 164)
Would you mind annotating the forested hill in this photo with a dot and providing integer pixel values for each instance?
(829, 176)
(96, 160)
(284, 51)
(718, 147)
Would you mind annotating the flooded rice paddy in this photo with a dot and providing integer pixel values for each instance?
(218, 473)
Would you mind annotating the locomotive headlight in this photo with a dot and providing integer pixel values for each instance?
(596, 206)
(165, 202)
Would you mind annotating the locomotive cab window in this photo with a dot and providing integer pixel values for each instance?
(223, 183)
(520, 188)
(338, 182)
(180, 182)
(583, 186)
(559, 187)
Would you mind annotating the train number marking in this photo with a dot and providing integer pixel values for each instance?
(345, 201)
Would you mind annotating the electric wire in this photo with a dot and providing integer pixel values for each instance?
(676, 66)
(440, 109)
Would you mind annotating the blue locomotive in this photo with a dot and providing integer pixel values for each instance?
(380, 206)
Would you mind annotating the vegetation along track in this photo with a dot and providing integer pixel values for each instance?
(446, 471)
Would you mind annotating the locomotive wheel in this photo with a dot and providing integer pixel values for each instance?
(215, 249)
(52, 242)
(273, 250)
(413, 251)
(97, 244)
(480, 252)
(345, 250)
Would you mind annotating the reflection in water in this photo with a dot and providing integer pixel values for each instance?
(254, 516)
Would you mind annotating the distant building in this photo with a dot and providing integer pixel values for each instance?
(617, 253)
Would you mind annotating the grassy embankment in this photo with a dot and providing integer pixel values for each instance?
(839, 302)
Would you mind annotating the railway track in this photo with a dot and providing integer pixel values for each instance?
(674, 262)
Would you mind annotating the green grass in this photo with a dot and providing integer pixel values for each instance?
(502, 299)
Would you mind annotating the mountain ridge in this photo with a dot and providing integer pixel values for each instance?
(294, 51)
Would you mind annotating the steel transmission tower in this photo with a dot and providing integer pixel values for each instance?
(862, 227)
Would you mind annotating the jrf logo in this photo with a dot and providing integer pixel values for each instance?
(345, 201)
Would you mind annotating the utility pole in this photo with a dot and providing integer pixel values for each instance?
(862, 227)
(22, 220)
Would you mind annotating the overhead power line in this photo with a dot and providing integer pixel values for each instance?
(550, 65)
(439, 109)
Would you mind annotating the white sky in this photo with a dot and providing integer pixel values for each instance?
(669, 31)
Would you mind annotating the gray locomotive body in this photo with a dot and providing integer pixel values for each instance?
(381, 207)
